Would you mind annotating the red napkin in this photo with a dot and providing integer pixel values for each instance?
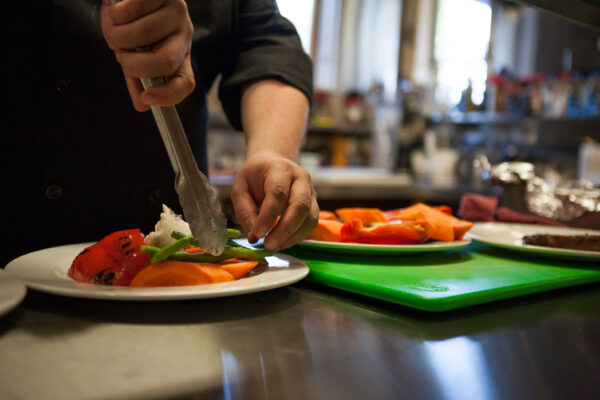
(505, 214)
(475, 207)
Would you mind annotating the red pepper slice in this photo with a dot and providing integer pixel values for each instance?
(114, 260)
(392, 232)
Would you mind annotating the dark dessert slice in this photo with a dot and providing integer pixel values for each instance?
(575, 242)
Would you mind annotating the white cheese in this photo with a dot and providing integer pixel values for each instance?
(169, 222)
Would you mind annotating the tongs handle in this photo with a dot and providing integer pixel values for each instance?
(197, 197)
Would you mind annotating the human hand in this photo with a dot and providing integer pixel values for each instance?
(164, 26)
(267, 186)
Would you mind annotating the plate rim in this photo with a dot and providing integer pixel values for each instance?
(366, 248)
(533, 249)
(167, 293)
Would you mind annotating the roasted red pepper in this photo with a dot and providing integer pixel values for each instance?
(114, 260)
(392, 232)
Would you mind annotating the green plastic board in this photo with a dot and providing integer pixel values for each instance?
(446, 280)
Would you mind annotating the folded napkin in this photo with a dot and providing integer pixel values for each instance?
(475, 207)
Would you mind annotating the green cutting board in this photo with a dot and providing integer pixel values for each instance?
(446, 280)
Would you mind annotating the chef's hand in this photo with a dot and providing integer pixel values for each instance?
(164, 26)
(268, 186)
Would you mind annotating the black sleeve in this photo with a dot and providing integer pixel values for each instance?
(267, 46)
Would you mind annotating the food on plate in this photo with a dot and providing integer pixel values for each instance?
(327, 215)
(368, 216)
(327, 230)
(392, 232)
(169, 256)
(180, 273)
(411, 225)
(114, 260)
(574, 242)
(441, 225)
(169, 222)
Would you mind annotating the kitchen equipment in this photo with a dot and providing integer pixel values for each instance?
(445, 281)
(198, 199)
(588, 162)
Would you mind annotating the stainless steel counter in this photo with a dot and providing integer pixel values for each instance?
(301, 342)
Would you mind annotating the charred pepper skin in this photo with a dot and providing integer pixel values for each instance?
(114, 260)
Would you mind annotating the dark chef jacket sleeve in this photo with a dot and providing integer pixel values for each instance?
(264, 46)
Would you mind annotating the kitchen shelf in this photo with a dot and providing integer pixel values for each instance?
(585, 12)
(484, 118)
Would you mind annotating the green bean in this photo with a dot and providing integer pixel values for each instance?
(181, 235)
(233, 233)
(188, 257)
(171, 249)
(233, 249)
(232, 243)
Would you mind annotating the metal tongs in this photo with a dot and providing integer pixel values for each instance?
(198, 199)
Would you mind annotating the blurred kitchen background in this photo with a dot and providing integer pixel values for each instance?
(419, 100)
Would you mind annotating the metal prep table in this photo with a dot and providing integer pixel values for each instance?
(301, 342)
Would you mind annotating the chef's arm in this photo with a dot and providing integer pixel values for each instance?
(274, 117)
(270, 184)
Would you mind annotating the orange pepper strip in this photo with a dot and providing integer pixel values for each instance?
(393, 232)
(194, 250)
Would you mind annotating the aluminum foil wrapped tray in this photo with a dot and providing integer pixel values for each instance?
(565, 202)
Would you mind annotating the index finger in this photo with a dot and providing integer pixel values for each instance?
(128, 11)
(277, 190)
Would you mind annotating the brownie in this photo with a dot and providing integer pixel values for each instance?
(576, 242)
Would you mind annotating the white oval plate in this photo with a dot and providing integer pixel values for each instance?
(510, 236)
(46, 271)
(382, 249)
(12, 292)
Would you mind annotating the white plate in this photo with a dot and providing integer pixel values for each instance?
(46, 271)
(510, 236)
(12, 292)
(382, 249)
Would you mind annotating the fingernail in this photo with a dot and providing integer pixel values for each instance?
(261, 231)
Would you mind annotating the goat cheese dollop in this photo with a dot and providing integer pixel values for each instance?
(169, 221)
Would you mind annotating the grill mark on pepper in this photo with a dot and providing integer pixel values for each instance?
(125, 245)
(98, 277)
(108, 278)
(84, 251)
(102, 279)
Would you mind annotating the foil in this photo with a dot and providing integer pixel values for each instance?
(513, 173)
(560, 201)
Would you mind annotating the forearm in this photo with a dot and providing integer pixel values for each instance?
(274, 117)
